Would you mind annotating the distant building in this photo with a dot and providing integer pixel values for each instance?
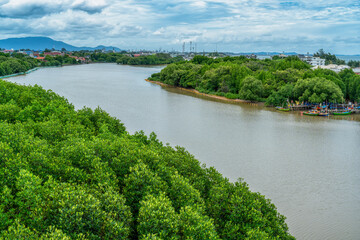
(53, 53)
(356, 71)
(333, 67)
(263, 57)
(79, 59)
(314, 61)
(8, 51)
(251, 56)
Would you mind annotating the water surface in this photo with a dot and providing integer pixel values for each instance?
(308, 166)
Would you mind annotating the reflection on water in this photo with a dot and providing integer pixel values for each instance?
(307, 165)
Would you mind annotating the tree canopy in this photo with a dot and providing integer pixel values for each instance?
(16, 64)
(329, 58)
(130, 59)
(272, 81)
(78, 174)
(318, 90)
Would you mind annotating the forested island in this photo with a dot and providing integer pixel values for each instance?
(272, 81)
(67, 174)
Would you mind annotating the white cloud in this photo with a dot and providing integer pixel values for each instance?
(199, 4)
(38, 8)
(234, 25)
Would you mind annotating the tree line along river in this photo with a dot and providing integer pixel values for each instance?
(307, 166)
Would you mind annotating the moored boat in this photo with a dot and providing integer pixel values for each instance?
(311, 113)
(342, 113)
(283, 109)
(323, 114)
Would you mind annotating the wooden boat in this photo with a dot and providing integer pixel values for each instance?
(342, 113)
(323, 114)
(311, 113)
(283, 109)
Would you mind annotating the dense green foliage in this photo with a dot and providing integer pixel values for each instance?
(19, 63)
(159, 58)
(58, 60)
(67, 174)
(353, 64)
(16, 63)
(129, 59)
(273, 81)
(329, 58)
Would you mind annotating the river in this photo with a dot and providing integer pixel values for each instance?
(308, 166)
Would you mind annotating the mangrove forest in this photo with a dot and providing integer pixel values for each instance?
(275, 82)
(78, 174)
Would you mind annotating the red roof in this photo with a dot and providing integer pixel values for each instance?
(52, 53)
(40, 58)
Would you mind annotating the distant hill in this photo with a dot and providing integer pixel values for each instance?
(40, 43)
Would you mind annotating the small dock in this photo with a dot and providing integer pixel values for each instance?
(355, 111)
(301, 107)
(341, 107)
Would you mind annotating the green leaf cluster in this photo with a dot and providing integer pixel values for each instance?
(16, 63)
(78, 174)
(128, 59)
(58, 60)
(329, 58)
(353, 64)
(273, 81)
(156, 59)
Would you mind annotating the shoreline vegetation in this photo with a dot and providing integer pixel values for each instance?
(276, 82)
(78, 174)
(19, 63)
(32, 70)
(224, 99)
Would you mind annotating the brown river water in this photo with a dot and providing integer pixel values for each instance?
(308, 166)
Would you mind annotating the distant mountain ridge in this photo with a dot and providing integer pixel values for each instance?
(41, 43)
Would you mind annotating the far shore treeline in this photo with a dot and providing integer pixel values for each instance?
(272, 81)
(20, 63)
(129, 59)
(275, 81)
(67, 174)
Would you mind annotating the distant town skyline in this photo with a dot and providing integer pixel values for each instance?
(229, 26)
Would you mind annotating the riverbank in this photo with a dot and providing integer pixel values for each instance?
(310, 153)
(65, 65)
(27, 72)
(224, 99)
(103, 138)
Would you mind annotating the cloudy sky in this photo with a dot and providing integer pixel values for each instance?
(228, 25)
